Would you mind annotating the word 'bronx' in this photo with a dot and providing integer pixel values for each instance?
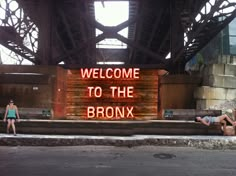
(110, 112)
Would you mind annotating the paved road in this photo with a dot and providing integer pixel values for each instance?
(115, 161)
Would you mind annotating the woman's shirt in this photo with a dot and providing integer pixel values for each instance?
(209, 119)
(11, 113)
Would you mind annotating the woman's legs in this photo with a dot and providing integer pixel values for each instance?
(11, 122)
(13, 126)
(8, 125)
(223, 124)
(225, 117)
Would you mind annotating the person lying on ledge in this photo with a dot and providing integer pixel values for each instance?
(223, 119)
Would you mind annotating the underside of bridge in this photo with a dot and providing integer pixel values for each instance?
(55, 31)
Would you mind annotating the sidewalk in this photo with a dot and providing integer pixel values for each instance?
(205, 142)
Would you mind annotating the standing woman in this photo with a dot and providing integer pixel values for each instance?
(11, 114)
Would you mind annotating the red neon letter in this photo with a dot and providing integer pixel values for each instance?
(101, 75)
(113, 89)
(98, 91)
(127, 73)
(121, 93)
(90, 112)
(100, 110)
(119, 113)
(130, 91)
(85, 73)
(117, 73)
(107, 73)
(90, 91)
(130, 111)
(95, 72)
(136, 73)
(111, 114)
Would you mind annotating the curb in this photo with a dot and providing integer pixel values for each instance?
(204, 142)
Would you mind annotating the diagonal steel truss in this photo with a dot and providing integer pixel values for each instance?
(18, 32)
(212, 18)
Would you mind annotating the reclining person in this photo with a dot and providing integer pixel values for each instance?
(223, 119)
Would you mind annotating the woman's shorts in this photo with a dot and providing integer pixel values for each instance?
(11, 118)
(216, 119)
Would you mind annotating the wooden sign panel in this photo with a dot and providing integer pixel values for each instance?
(112, 94)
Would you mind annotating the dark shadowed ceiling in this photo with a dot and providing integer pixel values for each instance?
(156, 27)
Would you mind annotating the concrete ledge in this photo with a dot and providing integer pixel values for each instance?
(117, 128)
(188, 114)
(206, 142)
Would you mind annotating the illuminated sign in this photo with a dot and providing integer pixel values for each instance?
(116, 91)
(112, 94)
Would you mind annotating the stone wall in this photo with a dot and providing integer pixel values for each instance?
(218, 87)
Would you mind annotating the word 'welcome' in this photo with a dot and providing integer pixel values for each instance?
(109, 73)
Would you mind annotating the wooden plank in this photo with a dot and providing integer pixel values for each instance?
(144, 94)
